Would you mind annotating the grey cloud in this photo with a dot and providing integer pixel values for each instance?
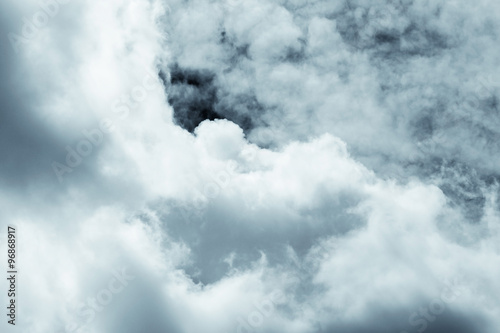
(29, 141)
(195, 96)
(213, 233)
(399, 38)
(396, 320)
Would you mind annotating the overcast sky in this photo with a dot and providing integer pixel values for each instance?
(247, 166)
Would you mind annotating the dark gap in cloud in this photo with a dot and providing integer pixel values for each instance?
(386, 37)
(192, 95)
(198, 95)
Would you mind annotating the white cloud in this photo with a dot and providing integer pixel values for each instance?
(364, 178)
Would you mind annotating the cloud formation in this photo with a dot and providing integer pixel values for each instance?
(298, 166)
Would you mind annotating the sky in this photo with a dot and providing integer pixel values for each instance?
(318, 166)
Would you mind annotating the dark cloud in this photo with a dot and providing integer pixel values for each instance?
(27, 145)
(195, 97)
(192, 95)
(29, 140)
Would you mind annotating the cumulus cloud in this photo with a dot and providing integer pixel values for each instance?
(248, 165)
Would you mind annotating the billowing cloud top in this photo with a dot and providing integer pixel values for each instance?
(252, 165)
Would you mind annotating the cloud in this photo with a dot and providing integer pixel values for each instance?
(271, 166)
